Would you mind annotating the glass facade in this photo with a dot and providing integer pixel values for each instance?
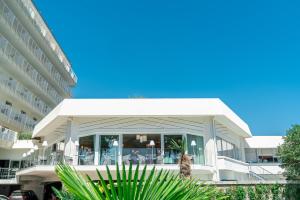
(86, 152)
(227, 149)
(109, 147)
(142, 148)
(195, 146)
(171, 156)
(137, 148)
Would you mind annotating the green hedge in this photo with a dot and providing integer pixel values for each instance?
(263, 192)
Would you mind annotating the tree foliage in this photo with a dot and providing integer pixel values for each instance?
(289, 153)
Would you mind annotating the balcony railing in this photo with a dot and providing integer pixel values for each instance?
(19, 91)
(38, 22)
(15, 57)
(8, 173)
(7, 137)
(25, 37)
(12, 115)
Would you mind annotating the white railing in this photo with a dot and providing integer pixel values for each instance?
(8, 173)
(26, 38)
(19, 91)
(12, 115)
(226, 163)
(15, 57)
(7, 137)
(38, 22)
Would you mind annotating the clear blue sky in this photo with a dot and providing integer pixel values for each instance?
(246, 53)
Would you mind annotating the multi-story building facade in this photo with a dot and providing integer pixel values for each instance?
(35, 76)
(92, 133)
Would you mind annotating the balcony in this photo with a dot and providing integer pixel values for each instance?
(144, 149)
(229, 164)
(31, 45)
(7, 137)
(12, 116)
(14, 57)
(42, 28)
(16, 89)
(8, 173)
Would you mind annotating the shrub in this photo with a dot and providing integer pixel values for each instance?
(275, 189)
(251, 193)
(24, 136)
(240, 193)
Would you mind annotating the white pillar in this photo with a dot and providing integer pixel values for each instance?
(211, 149)
(242, 149)
(71, 135)
(97, 149)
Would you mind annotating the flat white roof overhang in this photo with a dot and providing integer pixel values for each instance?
(91, 108)
(264, 142)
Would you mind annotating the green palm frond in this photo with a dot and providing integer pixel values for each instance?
(132, 185)
(179, 145)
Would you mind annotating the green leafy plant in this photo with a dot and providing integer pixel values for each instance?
(289, 153)
(230, 193)
(131, 185)
(251, 193)
(24, 136)
(240, 193)
(275, 189)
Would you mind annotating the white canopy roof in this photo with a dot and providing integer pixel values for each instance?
(264, 142)
(81, 108)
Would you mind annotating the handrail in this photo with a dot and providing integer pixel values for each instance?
(24, 94)
(30, 43)
(38, 22)
(8, 173)
(14, 56)
(262, 168)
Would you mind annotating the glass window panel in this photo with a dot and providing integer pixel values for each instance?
(14, 164)
(195, 148)
(142, 148)
(219, 146)
(86, 150)
(109, 147)
(171, 156)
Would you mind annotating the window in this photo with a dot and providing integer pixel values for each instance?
(142, 148)
(109, 147)
(227, 149)
(195, 148)
(86, 150)
(171, 156)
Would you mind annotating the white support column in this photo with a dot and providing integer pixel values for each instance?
(120, 149)
(212, 152)
(242, 149)
(97, 149)
(71, 150)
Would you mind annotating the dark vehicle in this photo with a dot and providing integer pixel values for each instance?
(23, 195)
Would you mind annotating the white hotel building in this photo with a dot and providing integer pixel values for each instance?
(92, 133)
(35, 76)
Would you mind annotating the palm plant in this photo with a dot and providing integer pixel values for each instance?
(131, 185)
(185, 160)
